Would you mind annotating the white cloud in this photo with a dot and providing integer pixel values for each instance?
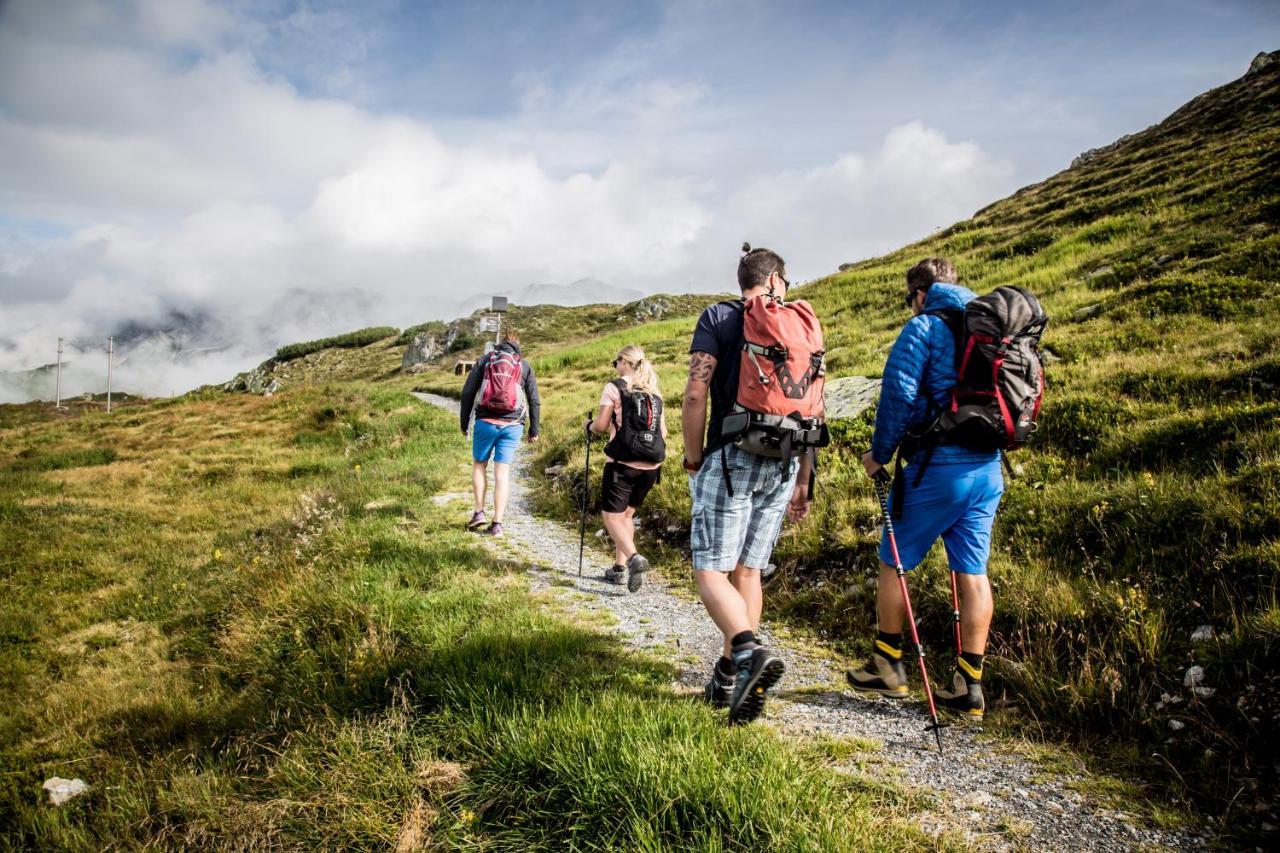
(861, 205)
(190, 179)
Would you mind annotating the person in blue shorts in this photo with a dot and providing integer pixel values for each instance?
(956, 498)
(497, 431)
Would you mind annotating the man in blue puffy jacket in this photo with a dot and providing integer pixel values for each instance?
(956, 499)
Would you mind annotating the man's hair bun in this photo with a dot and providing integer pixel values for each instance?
(746, 248)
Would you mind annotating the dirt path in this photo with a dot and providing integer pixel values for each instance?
(1000, 798)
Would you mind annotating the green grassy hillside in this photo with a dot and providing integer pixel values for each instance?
(247, 625)
(1148, 505)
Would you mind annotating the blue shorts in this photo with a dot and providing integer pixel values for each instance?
(955, 500)
(727, 531)
(500, 442)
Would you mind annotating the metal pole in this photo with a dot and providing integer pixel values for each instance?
(110, 358)
(497, 331)
(57, 403)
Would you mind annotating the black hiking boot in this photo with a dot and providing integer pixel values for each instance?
(636, 567)
(616, 573)
(883, 673)
(719, 689)
(963, 696)
(756, 674)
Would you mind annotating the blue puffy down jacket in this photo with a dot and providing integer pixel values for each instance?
(922, 361)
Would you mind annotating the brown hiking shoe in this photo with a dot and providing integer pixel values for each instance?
(883, 673)
(962, 696)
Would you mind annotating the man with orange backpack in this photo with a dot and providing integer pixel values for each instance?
(499, 392)
(759, 362)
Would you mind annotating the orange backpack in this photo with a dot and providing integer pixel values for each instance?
(779, 408)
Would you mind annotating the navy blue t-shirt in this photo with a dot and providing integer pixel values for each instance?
(719, 334)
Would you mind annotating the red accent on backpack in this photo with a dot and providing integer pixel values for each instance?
(499, 393)
(782, 371)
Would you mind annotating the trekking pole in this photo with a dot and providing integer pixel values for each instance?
(586, 492)
(878, 482)
(955, 611)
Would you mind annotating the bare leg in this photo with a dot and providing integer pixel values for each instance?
(891, 610)
(747, 582)
(479, 482)
(976, 608)
(501, 489)
(622, 532)
(725, 605)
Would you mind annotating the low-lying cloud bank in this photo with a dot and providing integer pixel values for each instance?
(142, 185)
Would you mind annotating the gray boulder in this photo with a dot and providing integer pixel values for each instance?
(423, 348)
(850, 396)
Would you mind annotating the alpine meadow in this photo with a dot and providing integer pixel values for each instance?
(255, 620)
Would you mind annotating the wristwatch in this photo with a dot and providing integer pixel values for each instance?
(692, 466)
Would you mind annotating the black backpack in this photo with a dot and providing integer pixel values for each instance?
(999, 380)
(639, 435)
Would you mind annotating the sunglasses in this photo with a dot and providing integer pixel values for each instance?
(910, 297)
(617, 361)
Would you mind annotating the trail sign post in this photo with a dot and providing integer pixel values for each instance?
(110, 358)
(499, 307)
(57, 402)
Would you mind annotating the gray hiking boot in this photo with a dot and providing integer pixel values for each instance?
(881, 674)
(636, 567)
(616, 574)
(756, 674)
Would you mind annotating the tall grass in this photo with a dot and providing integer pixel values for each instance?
(254, 629)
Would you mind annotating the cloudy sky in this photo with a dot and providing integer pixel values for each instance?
(292, 168)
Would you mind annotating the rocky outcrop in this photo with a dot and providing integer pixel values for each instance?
(1261, 61)
(850, 396)
(422, 349)
(653, 308)
(260, 380)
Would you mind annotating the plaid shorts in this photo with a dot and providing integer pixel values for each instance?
(726, 531)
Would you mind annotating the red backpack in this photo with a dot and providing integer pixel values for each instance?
(779, 408)
(500, 389)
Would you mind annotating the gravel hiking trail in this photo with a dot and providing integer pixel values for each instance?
(996, 797)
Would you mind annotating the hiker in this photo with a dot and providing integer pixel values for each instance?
(954, 496)
(631, 412)
(751, 466)
(499, 392)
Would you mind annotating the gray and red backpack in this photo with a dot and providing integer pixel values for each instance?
(995, 403)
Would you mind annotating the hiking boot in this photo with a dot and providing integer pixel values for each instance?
(963, 696)
(756, 674)
(494, 530)
(617, 573)
(881, 674)
(477, 520)
(717, 693)
(636, 567)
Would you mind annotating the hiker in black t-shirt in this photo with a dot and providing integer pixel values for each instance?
(735, 525)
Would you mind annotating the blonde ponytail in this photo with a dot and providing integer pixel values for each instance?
(643, 376)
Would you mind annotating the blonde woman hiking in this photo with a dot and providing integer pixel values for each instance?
(631, 412)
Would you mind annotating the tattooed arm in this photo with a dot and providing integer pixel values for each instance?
(693, 413)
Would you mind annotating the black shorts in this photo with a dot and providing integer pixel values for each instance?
(625, 486)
